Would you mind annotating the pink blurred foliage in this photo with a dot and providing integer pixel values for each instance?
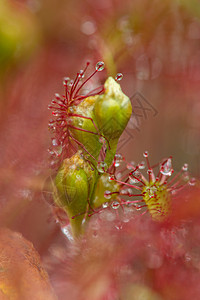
(115, 255)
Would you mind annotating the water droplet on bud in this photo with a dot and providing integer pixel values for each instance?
(101, 167)
(100, 66)
(119, 76)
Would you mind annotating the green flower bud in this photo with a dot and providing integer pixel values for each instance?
(112, 112)
(88, 134)
(74, 185)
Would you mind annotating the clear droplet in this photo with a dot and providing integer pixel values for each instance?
(100, 66)
(185, 167)
(192, 181)
(142, 165)
(119, 76)
(111, 177)
(66, 80)
(80, 122)
(146, 154)
(55, 142)
(101, 167)
(117, 160)
(166, 168)
(107, 194)
(57, 96)
(81, 74)
(105, 204)
(149, 171)
(115, 204)
(130, 166)
(133, 180)
(138, 207)
(70, 83)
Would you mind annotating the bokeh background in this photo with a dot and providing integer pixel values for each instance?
(155, 44)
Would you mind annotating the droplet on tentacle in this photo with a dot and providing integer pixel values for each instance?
(146, 154)
(57, 96)
(142, 165)
(55, 142)
(105, 204)
(117, 160)
(119, 76)
(185, 167)
(192, 181)
(81, 74)
(101, 167)
(107, 194)
(100, 66)
(65, 81)
(166, 168)
(115, 205)
(111, 177)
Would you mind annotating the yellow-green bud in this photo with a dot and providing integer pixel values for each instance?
(74, 183)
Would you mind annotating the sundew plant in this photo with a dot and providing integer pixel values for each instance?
(100, 144)
(112, 205)
(86, 129)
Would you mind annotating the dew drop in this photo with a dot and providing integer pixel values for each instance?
(101, 167)
(70, 83)
(115, 205)
(149, 171)
(111, 177)
(142, 165)
(105, 204)
(80, 122)
(57, 96)
(166, 168)
(146, 154)
(119, 76)
(107, 194)
(130, 166)
(81, 74)
(133, 180)
(117, 160)
(65, 81)
(185, 167)
(55, 142)
(138, 207)
(192, 181)
(100, 66)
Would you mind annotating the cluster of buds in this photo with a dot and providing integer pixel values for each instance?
(86, 129)
(88, 181)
